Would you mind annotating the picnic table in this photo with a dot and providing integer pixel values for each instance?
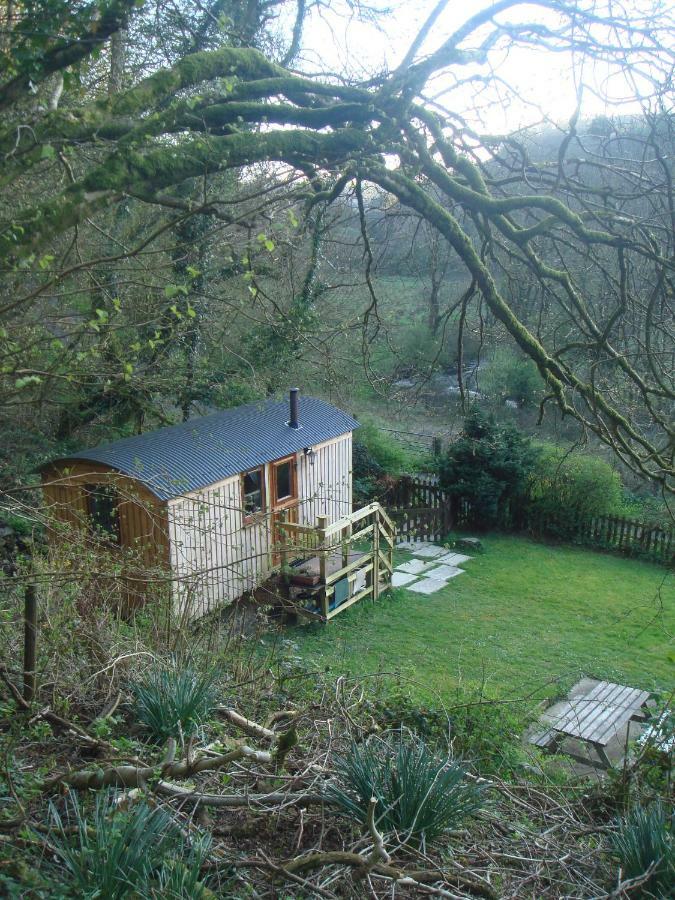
(595, 718)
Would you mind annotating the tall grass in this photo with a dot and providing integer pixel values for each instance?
(174, 701)
(117, 853)
(644, 839)
(419, 794)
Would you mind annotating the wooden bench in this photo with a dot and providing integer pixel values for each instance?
(594, 718)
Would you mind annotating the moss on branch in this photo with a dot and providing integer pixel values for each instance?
(142, 174)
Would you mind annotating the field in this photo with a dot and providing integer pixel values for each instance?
(525, 620)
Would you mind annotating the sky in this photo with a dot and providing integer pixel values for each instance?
(546, 82)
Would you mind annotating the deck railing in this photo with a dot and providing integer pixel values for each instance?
(369, 531)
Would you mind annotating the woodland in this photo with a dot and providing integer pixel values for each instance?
(202, 203)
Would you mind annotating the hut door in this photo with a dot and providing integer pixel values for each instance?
(284, 496)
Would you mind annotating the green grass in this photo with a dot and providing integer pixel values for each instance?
(524, 618)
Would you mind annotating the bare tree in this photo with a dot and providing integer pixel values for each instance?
(590, 224)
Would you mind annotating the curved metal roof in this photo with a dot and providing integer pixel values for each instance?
(182, 458)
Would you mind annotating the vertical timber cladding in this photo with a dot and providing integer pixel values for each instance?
(215, 557)
(142, 516)
(325, 481)
(143, 526)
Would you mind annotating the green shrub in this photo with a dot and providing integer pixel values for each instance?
(489, 465)
(508, 375)
(644, 838)
(377, 453)
(490, 734)
(120, 853)
(566, 488)
(173, 702)
(419, 794)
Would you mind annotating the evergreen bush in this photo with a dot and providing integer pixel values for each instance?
(489, 465)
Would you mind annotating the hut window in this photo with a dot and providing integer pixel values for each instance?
(283, 479)
(102, 506)
(253, 491)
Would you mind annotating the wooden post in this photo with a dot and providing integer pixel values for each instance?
(346, 534)
(322, 526)
(436, 447)
(376, 555)
(283, 549)
(29, 642)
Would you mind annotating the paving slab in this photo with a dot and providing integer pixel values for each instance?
(427, 586)
(428, 550)
(398, 579)
(409, 545)
(443, 573)
(453, 559)
(414, 566)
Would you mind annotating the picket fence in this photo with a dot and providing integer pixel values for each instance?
(422, 510)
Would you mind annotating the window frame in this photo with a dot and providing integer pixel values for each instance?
(288, 499)
(249, 517)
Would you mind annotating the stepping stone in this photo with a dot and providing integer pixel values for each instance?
(452, 559)
(398, 579)
(427, 586)
(429, 550)
(414, 566)
(409, 545)
(443, 573)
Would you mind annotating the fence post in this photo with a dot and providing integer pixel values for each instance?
(376, 555)
(29, 642)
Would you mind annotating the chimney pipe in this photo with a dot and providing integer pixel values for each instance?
(293, 422)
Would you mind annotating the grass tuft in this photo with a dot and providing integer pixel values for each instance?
(119, 853)
(645, 839)
(174, 702)
(419, 794)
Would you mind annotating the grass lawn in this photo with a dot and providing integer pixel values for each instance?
(524, 618)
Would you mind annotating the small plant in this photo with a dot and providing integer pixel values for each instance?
(117, 853)
(173, 702)
(419, 794)
(645, 839)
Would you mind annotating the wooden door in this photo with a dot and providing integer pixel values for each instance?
(283, 497)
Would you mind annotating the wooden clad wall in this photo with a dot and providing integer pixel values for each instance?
(215, 558)
(325, 481)
(143, 519)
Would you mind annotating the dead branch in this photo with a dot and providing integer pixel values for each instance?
(247, 725)
(140, 776)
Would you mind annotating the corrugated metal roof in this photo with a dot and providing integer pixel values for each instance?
(182, 458)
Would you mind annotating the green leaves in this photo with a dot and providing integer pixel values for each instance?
(174, 702)
(419, 794)
(173, 290)
(267, 242)
(26, 381)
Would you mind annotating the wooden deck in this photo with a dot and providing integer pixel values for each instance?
(337, 564)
